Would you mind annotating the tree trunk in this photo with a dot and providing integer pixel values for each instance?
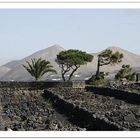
(137, 77)
(37, 79)
(72, 73)
(94, 77)
(63, 76)
(98, 69)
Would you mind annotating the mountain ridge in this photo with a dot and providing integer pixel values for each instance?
(17, 72)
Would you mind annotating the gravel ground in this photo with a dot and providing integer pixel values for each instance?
(27, 110)
(131, 87)
(124, 114)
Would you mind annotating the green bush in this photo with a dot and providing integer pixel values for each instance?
(100, 82)
(126, 73)
(97, 82)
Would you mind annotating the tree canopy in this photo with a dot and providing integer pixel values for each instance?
(71, 60)
(105, 58)
(38, 67)
(125, 73)
(108, 57)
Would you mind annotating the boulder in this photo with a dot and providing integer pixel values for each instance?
(130, 117)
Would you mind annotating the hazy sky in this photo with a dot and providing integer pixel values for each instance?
(25, 31)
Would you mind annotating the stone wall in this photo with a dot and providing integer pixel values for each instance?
(81, 116)
(41, 85)
(16, 107)
(118, 94)
(21, 109)
(78, 84)
(28, 110)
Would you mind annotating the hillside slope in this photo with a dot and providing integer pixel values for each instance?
(17, 72)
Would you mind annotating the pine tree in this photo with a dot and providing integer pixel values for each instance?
(71, 60)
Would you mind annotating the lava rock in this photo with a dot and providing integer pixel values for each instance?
(137, 112)
(130, 117)
(117, 102)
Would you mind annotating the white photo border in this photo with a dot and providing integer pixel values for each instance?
(71, 5)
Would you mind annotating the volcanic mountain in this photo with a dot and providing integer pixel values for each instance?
(129, 58)
(15, 71)
(4, 70)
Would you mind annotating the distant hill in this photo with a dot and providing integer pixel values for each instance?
(129, 58)
(11, 64)
(4, 70)
(15, 71)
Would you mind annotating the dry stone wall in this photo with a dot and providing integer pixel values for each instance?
(22, 107)
(131, 97)
(80, 116)
(41, 84)
(28, 110)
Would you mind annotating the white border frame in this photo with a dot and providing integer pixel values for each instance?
(69, 1)
(71, 5)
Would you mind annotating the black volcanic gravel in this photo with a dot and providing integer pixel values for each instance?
(27, 110)
(124, 114)
(131, 87)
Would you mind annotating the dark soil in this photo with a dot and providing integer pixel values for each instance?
(27, 110)
(125, 114)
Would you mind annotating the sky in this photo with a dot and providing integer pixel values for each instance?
(25, 31)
